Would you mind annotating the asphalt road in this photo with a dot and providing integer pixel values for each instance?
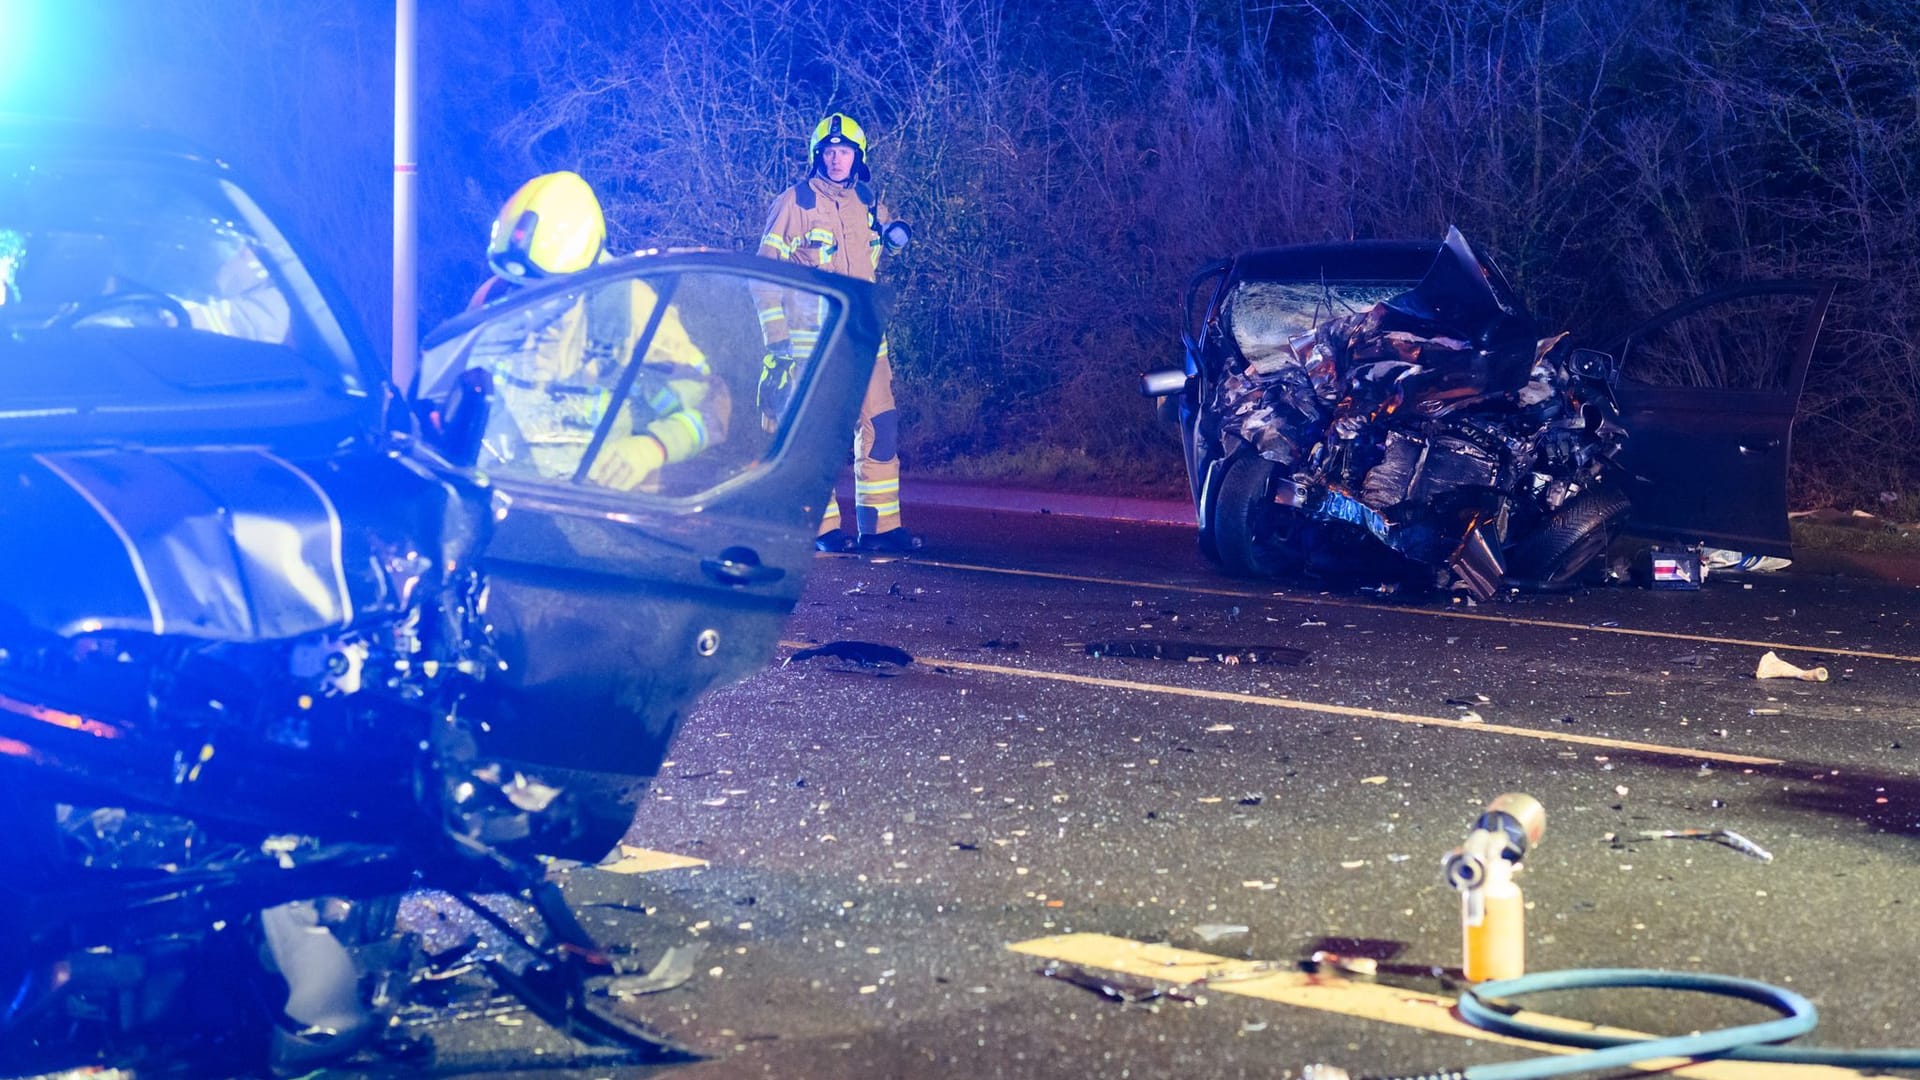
(873, 839)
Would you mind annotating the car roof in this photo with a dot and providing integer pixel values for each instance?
(95, 139)
(1349, 260)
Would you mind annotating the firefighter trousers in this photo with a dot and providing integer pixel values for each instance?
(876, 459)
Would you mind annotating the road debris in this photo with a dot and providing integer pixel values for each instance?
(1129, 989)
(1196, 652)
(1772, 667)
(1361, 967)
(864, 657)
(1212, 932)
(1724, 837)
(673, 969)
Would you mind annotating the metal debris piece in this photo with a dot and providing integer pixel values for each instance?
(1130, 989)
(1199, 652)
(864, 656)
(1726, 837)
(1361, 967)
(1772, 667)
(674, 968)
(1211, 932)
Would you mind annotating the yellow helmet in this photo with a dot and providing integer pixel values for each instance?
(552, 225)
(839, 129)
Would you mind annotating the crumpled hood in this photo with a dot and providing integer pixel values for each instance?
(224, 544)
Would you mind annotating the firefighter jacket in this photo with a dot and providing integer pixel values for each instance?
(821, 224)
(557, 365)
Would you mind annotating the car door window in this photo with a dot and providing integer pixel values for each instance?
(1739, 343)
(642, 383)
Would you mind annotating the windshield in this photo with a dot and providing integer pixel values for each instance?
(124, 270)
(145, 298)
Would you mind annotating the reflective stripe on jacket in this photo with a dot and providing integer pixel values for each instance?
(836, 234)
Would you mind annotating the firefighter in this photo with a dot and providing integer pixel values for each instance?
(555, 366)
(242, 300)
(831, 221)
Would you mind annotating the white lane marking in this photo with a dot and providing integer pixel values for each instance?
(1296, 704)
(1437, 613)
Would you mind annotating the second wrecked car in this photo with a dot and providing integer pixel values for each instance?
(1387, 411)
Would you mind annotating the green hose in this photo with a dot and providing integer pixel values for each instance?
(1749, 1042)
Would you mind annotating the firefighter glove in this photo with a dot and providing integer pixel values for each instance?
(776, 383)
(627, 461)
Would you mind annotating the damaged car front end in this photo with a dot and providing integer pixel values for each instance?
(277, 644)
(1386, 412)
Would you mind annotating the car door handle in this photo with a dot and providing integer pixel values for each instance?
(740, 566)
(1764, 448)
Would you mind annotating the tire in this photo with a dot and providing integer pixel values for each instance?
(1249, 531)
(1577, 533)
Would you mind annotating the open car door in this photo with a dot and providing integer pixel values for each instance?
(1708, 392)
(618, 593)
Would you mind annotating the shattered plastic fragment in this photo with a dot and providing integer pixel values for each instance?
(674, 968)
(1772, 667)
(1722, 559)
(865, 656)
(1212, 932)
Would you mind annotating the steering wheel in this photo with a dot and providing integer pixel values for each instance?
(144, 307)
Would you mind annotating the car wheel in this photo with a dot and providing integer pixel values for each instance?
(1210, 547)
(1249, 531)
(1576, 534)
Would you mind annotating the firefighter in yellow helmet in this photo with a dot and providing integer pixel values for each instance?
(831, 220)
(556, 367)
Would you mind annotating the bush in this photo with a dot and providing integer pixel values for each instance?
(1068, 168)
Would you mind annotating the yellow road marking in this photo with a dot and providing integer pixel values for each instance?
(1364, 1001)
(1344, 710)
(635, 860)
(1438, 613)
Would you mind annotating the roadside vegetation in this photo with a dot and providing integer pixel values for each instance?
(1068, 167)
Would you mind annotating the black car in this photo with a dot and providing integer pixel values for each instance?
(1388, 409)
(278, 641)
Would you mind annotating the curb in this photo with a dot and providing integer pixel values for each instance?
(962, 495)
(1895, 569)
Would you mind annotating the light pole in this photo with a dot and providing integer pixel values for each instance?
(406, 182)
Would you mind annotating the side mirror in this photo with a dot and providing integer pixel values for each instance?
(1596, 365)
(896, 235)
(1163, 382)
(456, 426)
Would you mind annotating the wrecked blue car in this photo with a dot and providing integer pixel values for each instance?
(279, 641)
